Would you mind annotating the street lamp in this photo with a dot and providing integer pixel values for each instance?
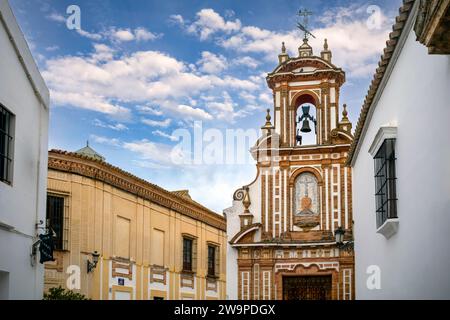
(339, 235)
(92, 265)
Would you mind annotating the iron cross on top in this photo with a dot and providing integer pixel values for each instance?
(304, 26)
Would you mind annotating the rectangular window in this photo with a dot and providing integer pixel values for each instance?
(211, 261)
(385, 182)
(55, 219)
(187, 254)
(6, 144)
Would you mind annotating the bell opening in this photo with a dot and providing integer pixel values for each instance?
(305, 125)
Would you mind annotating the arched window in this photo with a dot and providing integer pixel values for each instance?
(306, 201)
(305, 120)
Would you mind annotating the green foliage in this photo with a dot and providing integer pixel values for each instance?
(62, 294)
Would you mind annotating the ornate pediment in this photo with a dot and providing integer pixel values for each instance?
(305, 69)
(304, 63)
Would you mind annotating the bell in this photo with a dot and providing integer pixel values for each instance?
(305, 127)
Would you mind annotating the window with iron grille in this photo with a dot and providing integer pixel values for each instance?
(385, 182)
(6, 144)
(187, 254)
(211, 261)
(55, 219)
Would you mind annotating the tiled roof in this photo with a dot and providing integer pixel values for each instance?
(391, 44)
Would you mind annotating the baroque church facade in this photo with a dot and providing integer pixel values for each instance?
(282, 226)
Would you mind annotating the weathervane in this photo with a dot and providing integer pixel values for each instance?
(304, 26)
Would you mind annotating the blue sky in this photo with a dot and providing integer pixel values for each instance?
(139, 70)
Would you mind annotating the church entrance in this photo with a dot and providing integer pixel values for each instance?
(307, 288)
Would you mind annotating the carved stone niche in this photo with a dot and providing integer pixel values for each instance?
(307, 222)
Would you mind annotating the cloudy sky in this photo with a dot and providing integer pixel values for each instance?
(139, 75)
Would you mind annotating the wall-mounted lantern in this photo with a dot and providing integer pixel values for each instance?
(339, 235)
(91, 265)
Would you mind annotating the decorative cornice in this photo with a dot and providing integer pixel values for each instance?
(102, 171)
(391, 44)
(284, 72)
(433, 25)
(339, 75)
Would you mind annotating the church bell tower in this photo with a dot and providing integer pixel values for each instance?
(307, 80)
(283, 227)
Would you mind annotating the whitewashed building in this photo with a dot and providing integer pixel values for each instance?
(401, 162)
(24, 102)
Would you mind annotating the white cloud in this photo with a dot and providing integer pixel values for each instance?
(89, 101)
(266, 99)
(149, 110)
(159, 153)
(156, 123)
(116, 127)
(165, 135)
(102, 52)
(123, 35)
(107, 141)
(355, 46)
(143, 34)
(176, 19)
(246, 62)
(89, 35)
(56, 17)
(193, 113)
(248, 97)
(109, 81)
(212, 63)
(127, 35)
(223, 180)
(223, 110)
(209, 22)
(52, 48)
(252, 39)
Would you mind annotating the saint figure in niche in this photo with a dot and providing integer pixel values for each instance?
(306, 194)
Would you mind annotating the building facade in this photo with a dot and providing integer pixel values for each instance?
(400, 159)
(281, 227)
(150, 243)
(24, 103)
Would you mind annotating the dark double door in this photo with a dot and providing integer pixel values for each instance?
(307, 288)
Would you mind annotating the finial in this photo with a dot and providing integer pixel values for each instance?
(344, 113)
(246, 201)
(283, 48)
(325, 45)
(268, 124)
(87, 143)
